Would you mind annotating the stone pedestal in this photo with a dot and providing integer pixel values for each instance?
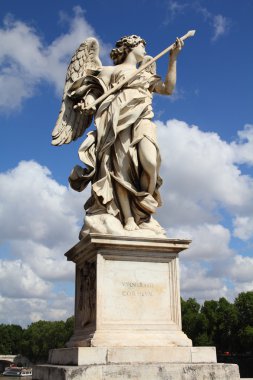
(127, 292)
(128, 316)
(140, 371)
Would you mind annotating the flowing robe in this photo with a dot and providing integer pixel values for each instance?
(110, 153)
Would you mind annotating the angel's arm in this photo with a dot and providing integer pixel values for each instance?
(86, 97)
(86, 101)
(167, 87)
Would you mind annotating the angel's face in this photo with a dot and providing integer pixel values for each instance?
(139, 52)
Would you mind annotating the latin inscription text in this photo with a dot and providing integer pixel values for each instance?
(137, 289)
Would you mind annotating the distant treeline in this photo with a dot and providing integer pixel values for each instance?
(35, 341)
(228, 326)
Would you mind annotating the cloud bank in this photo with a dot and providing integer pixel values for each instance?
(40, 221)
(209, 199)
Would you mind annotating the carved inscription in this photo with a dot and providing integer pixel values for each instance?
(135, 292)
(141, 289)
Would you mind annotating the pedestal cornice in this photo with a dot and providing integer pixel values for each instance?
(89, 246)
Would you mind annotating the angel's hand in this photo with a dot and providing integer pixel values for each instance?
(80, 106)
(178, 45)
(89, 101)
(84, 104)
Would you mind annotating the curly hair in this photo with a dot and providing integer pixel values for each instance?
(124, 46)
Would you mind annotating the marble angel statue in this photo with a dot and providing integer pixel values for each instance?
(121, 154)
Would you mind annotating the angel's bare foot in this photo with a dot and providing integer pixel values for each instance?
(130, 224)
(153, 225)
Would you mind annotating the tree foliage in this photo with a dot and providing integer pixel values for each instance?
(10, 339)
(36, 340)
(228, 326)
(244, 308)
(227, 322)
(194, 323)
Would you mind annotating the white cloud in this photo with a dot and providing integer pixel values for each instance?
(243, 148)
(219, 23)
(200, 170)
(243, 268)
(18, 281)
(40, 221)
(196, 282)
(34, 204)
(243, 227)
(22, 311)
(209, 241)
(202, 183)
(221, 26)
(173, 9)
(243, 287)
(17, 86)
(48, 263)
(204, 266)
(26, 60)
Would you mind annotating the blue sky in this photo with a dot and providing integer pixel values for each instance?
(205, 131)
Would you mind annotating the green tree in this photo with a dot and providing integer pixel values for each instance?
(193, 323)
(244, 307)
(42, 336)
(246, 339)
(190, 310)
(69, 325)
(226, 326)
(210, 311)
(10, 339)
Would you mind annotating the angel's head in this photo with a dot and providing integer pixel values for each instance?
(125, 45)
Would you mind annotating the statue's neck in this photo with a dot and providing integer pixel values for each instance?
(130, 60)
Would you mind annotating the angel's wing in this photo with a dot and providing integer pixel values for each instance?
(71, 124)
(150, 69)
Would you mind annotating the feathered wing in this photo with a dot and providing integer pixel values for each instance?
(71, 123)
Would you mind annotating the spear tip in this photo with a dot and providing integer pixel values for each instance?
(191, 33)
(188, 34)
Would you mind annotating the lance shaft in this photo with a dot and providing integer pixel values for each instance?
(141, 68)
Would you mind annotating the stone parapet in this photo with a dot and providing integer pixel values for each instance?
(158, 371)
(116, 355)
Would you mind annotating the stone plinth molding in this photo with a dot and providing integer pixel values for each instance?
(127, 292)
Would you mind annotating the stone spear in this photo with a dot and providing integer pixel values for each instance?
(141, 68)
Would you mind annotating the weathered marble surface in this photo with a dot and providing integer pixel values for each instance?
(131, 320)
(127, 292)
(108, 224)
(158, 371)
(121, 156)
(119, 355)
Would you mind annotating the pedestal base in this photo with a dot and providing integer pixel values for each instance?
(127, 309)
(158, 371)
(137, 363)
(119, 355)
(127, 292)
